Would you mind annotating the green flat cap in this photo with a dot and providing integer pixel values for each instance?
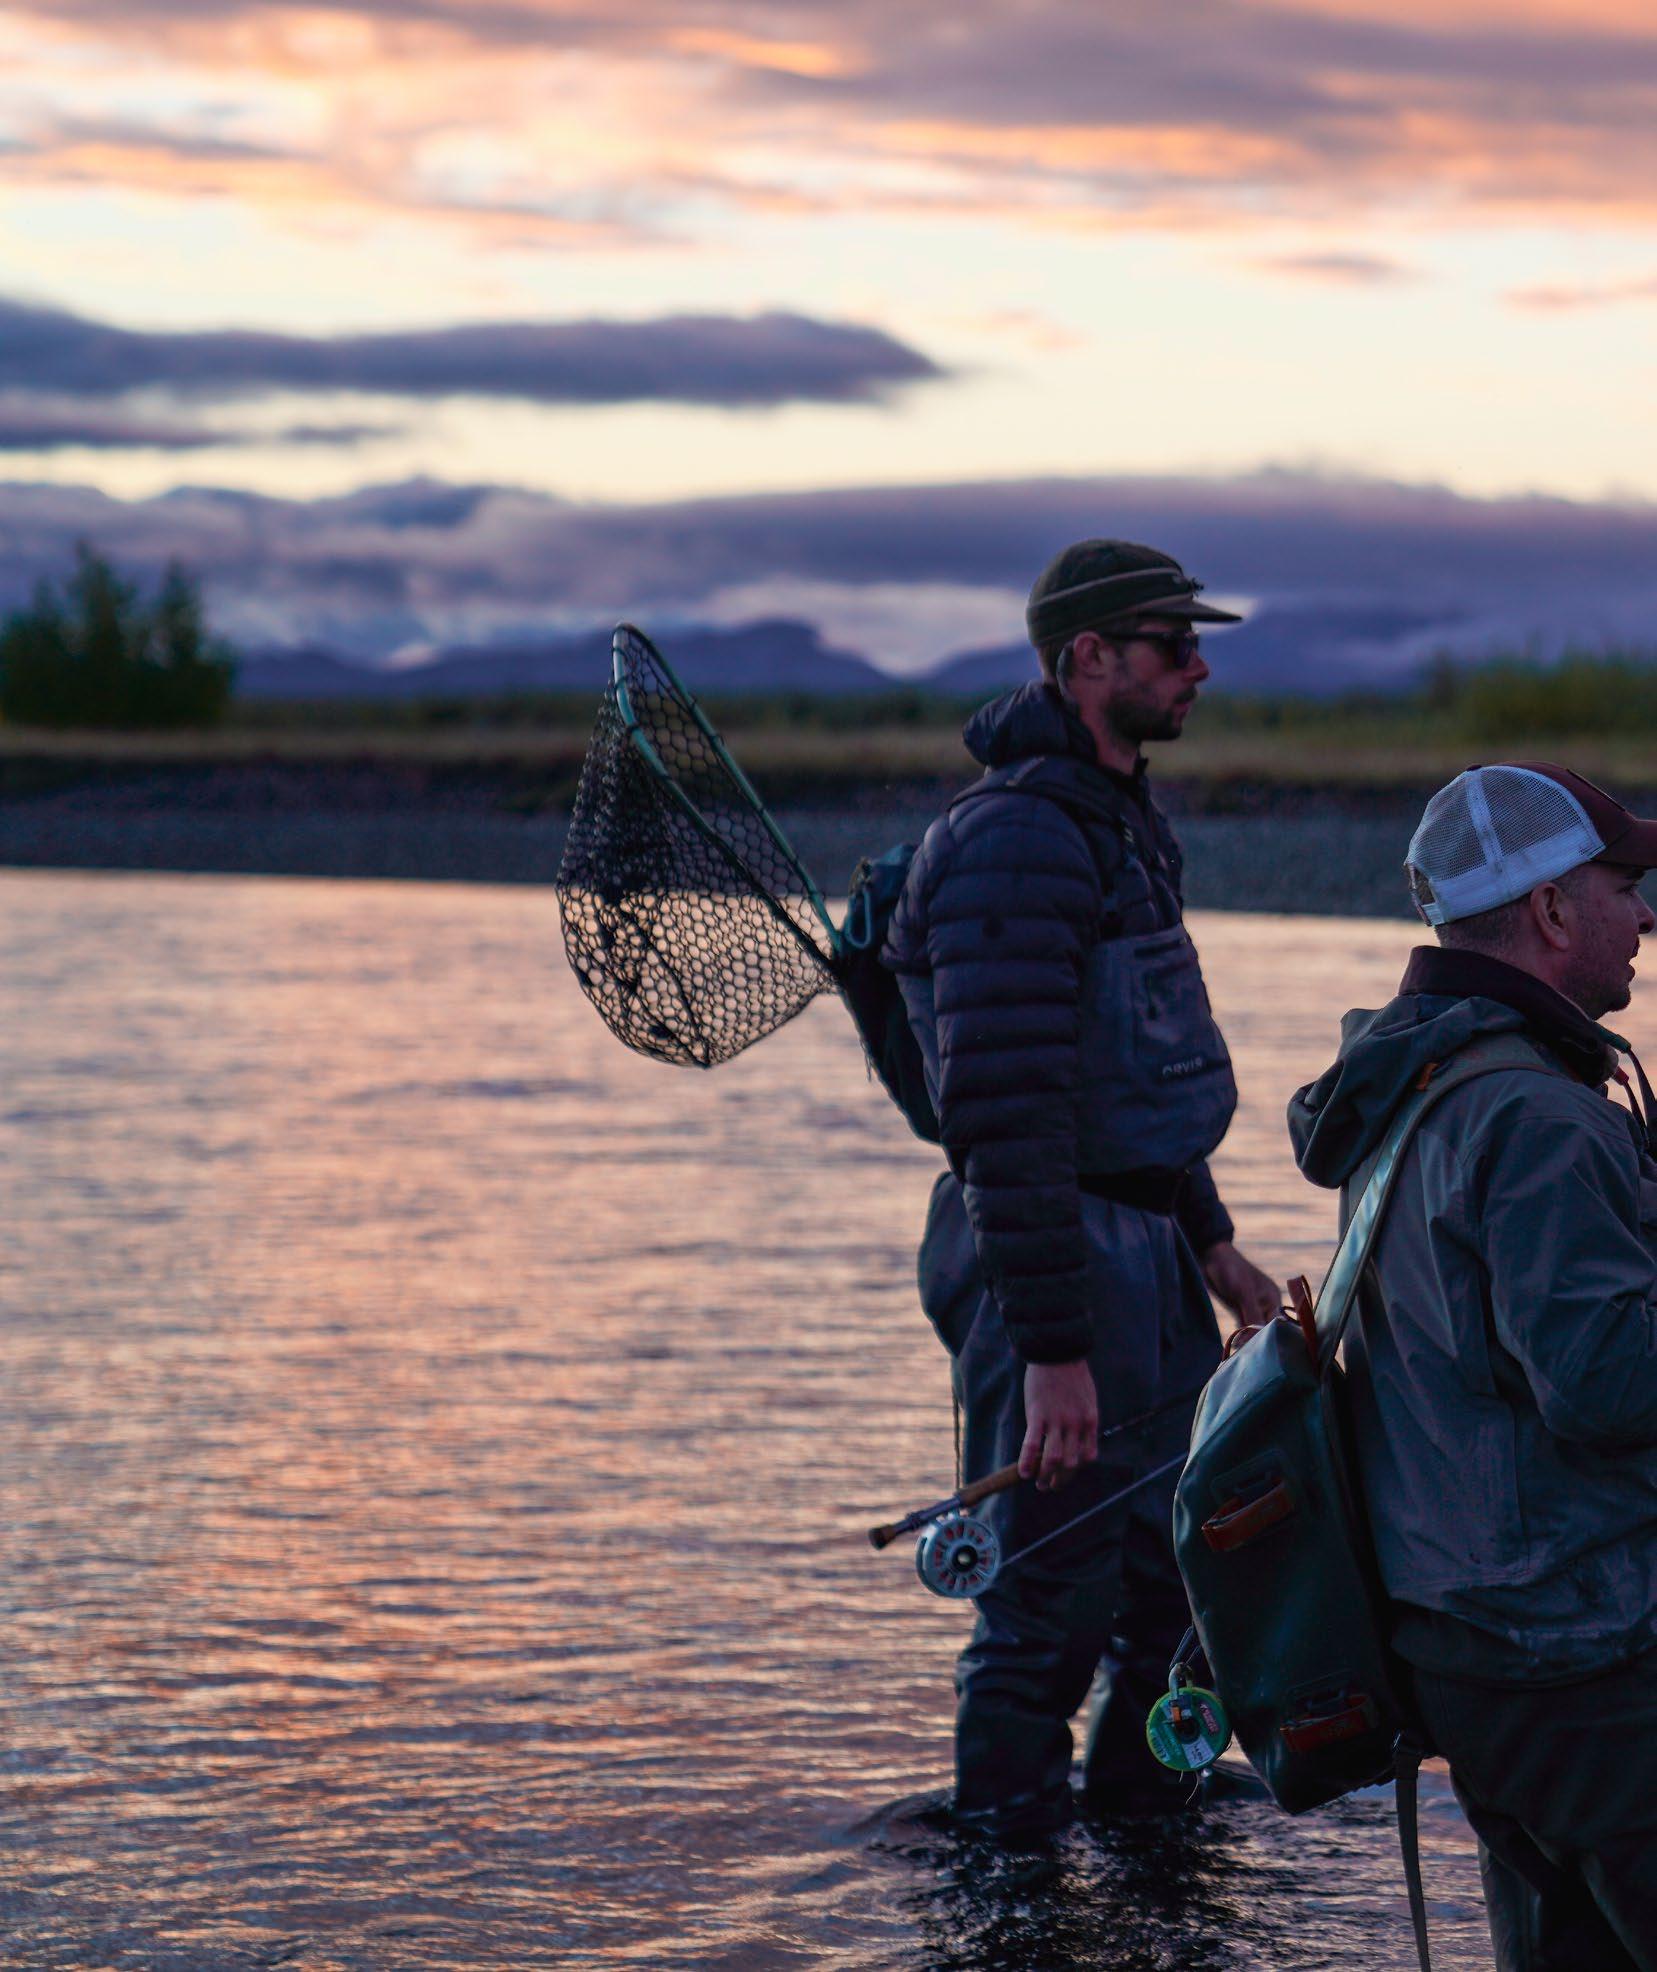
(1093, 583)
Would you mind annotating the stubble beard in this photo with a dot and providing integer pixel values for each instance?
(1136, 720)
(1599, 984)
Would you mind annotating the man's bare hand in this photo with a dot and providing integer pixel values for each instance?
(1250, 1295)
(1061, 1411)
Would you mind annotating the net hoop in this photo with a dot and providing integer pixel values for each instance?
(689, 920)
(627, 641)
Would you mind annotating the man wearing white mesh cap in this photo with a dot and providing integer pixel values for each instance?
(1503, 1374)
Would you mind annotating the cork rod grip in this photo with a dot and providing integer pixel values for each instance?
(980, 1489)
(997, 1482)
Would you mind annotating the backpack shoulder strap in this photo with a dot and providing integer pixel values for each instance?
(1338, 1296)
(1030, 778)
(1406, 1779)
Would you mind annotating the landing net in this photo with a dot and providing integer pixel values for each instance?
(691, 924)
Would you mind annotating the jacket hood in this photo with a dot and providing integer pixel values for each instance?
(1338, 1120)
(1034, 720)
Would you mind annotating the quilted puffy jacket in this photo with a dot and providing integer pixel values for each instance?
(1006, 898)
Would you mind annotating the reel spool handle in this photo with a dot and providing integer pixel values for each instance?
(968, 1496)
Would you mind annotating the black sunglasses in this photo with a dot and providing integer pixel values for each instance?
(1178, 646)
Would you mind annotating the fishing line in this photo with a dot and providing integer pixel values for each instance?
(1009, 1475)
(1114, 1499)
(959, 1554)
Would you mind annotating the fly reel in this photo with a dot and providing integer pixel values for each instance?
(958, 1556)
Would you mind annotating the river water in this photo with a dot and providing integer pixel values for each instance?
(434, 1456)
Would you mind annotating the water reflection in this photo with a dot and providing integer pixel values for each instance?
(435, 1457)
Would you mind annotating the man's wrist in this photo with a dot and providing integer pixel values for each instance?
(1067, 1341)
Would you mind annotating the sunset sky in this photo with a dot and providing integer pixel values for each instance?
(657, 253)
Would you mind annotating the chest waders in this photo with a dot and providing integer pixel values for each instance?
(1088, 1577)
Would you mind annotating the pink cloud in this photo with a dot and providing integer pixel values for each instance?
(1563, 297)
(1204, 106)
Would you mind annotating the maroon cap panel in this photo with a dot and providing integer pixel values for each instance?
(1629, 838)
(1636, 846)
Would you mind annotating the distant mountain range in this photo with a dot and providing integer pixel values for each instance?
(1280, 649)
(767, 656)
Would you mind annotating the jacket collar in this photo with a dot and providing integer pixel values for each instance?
(1135, 785)
(1585, 1048)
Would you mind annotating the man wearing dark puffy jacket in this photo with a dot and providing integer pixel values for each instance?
(1080, 1083)
(1503, 1374)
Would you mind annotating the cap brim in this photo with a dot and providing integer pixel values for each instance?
(1195, 612)
(1185, 608)
(1635, 848)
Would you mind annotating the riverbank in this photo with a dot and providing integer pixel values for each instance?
(1251, 843)
(1284, 804)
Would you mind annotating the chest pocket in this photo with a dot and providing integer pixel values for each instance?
(1157, 1084)
(1173, 1017)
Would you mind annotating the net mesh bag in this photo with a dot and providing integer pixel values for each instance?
(1490, 836)
(689, 922)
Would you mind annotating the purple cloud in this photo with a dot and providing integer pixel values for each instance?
(733, 361)
(31, 425)
(1398, 570)
(36, 424)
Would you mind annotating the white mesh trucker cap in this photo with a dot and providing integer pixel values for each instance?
(1496, 832)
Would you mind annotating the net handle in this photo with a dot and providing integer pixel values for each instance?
(642, 740)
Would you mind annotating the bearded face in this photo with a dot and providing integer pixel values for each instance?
(1608, 918)
(1152, 687)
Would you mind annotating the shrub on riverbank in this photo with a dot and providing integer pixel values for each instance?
(101, 654)
(1597, 711)
(1581, 694)
(1504, 699)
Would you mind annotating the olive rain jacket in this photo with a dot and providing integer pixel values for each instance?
(1504, 1377)
(1039, 948)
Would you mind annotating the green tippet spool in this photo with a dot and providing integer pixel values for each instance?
(1188, 1729)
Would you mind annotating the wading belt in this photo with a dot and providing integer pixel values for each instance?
(1151, 1190)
